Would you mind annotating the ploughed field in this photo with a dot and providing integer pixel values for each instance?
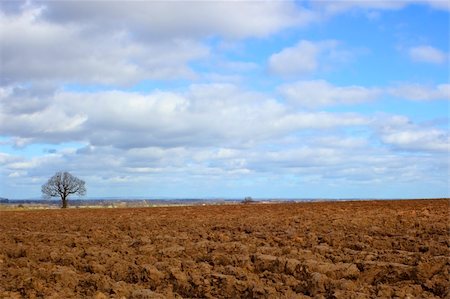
(370, 249)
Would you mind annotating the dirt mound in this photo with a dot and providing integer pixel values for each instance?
(322, 250)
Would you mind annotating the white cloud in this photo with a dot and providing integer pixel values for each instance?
(320, 158)
(34, 49)
(402, 134)
(155, 20)
(320, 93)
(316, 94)
(427, 54)
(341, 6)
(7, 158)
(421, 92)
(333, 157)
(219, 114)
(417, 139)
(438, 4)
(300, 59)
(307, 57)
(127, 42)
(340, 142)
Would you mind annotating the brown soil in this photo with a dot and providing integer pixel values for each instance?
(374, 249)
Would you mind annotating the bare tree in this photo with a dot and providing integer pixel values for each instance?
(248, 200)
(63, 184)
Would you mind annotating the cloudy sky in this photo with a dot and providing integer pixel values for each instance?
(226, 98)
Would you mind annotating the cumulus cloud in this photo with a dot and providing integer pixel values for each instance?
(201, 115)
(180, 19)
(316, 159)
(307, 57)
(323, 157)
(320, 93)
(129, 41)
(417, 139)
(335, 7)
(427, 54)
(341, 6)
(400, 133)
(70, 42)
(300, 59)
(34, 49)
(315, 94)
(438, 4)
(421, 92)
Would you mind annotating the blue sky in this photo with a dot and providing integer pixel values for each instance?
(334, 99)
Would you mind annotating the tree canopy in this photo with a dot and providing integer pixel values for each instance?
(63, 184)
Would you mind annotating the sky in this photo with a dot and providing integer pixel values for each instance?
(210, 99)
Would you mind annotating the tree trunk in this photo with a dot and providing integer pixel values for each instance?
(64, 202)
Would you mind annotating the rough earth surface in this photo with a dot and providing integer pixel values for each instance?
(366, 249)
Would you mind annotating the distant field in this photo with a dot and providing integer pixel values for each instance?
(356, 249)
(34, 204)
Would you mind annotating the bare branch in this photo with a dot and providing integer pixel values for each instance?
(63, 184)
